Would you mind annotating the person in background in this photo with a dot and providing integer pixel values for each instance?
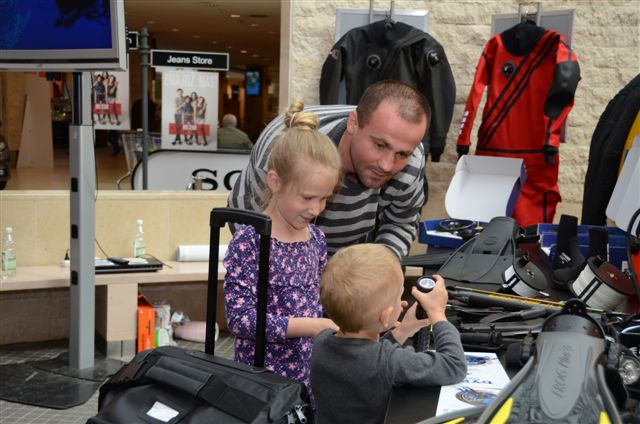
(303, 170)
(353, 369)
(383, 162)
(231, 137)
(152, 115)
(113, 138)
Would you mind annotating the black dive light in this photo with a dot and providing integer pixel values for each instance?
(425, 284)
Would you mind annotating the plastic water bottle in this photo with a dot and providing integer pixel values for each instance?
(8, 254)
(138, 243)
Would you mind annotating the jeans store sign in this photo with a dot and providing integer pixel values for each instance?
(203, 61)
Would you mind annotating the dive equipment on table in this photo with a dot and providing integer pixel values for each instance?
(463, 228)
(567, 272)
(602, 285)
(427, 260)
(523, 277)
(450, 224)
(485, 257)
(421, 339)
(568, 252)
(565, 379)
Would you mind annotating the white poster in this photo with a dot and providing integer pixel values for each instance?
(110, 100)
(485, 378)
(189, 110)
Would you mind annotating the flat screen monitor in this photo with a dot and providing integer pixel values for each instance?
(62, 35)
(252, 82)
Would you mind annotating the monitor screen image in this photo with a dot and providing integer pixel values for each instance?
(62, 35)
(252, 83)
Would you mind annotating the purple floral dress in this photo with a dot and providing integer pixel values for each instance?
(294, 280)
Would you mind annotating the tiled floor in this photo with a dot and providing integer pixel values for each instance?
(15, 413)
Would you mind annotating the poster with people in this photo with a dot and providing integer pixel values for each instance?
(189, 110)
(110, 100)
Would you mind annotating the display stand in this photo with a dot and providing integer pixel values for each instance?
(82, 214)
(144, 86)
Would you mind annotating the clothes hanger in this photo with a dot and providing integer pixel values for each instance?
(388, 20)
(525, 16)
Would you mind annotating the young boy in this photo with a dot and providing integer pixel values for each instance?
(354, 370)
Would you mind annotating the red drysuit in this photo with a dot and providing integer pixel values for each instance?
(531, 75)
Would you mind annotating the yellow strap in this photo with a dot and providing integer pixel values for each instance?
(503, 414)
(604, 418)
(633, 132)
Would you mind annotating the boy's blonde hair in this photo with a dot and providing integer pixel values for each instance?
(301, 142)
(358, 282)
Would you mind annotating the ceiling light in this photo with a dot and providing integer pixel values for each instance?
(229, 47)
(243, 51)
(233, 15)
(255, 25)
(151, 22)
(255, 55)
(175, 30)
(195, 36)
(214, 42)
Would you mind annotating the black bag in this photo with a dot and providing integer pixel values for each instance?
(171, 385)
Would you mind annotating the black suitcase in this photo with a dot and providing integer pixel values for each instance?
(174, 385)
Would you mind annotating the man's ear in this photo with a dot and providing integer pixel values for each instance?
(385, 316)
(352, 122)
(273, 181)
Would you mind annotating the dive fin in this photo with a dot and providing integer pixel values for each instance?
(564, 382)
(484, 258)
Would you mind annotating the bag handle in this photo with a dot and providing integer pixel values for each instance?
(219, 218)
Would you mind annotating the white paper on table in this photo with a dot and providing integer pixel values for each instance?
(485, 378)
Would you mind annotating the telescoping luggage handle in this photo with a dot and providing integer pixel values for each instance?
(262, 223)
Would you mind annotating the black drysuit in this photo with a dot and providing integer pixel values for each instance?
(393, 51)
(607, 145)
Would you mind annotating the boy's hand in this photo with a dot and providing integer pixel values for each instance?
(410, 324)
(434, 302)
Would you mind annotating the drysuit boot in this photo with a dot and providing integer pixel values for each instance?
(598, 242)
(568, 252)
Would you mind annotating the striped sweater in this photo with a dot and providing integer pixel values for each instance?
(356, 214)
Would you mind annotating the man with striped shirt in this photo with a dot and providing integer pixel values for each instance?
(382, 189)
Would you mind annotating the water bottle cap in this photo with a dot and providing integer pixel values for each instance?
(139, 222)
(8, 230)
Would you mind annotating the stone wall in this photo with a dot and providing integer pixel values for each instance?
(606, 39)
